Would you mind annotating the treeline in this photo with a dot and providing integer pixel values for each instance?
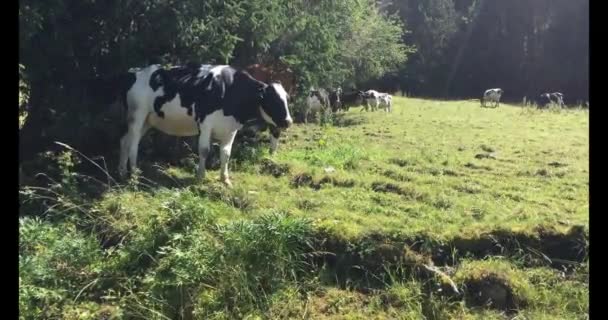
(65, 44)
(431, 48)
(525, 47)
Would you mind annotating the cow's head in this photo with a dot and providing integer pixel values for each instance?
(274, 109)
(339, 92)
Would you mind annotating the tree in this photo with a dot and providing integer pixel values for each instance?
(66, 43)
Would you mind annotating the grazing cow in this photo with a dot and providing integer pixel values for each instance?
(277, 72)
(352, 99)
(492, 95)
(547, 99)
(334, 99)
(317, 101)
(544, 100)
(386, 100)
(209, 101)
(274, 72)
(372, 99)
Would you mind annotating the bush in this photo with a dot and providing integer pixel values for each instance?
(228, 269)
(57, 265)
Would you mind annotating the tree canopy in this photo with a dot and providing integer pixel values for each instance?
(66, 43)
(433, 48)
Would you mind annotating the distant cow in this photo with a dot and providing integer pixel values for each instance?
(547, 99)
(372, 100)
(274, 73)
(352, 99)
(491, 95)
(386, 101)
(209, 101)
(335, 99)
(317, 101)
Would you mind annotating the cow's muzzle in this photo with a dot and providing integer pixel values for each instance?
(285, 123)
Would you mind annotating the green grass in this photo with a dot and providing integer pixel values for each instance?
(436, 176)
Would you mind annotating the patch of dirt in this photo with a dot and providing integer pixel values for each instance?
(545, 173)
(272, 168)
(302, 180)
(400, 162)
(306, 180)
(485, 156)
(492, 291)
(347, 183)
(386, 187)
(471, 165)
(396, 175)
(393, 188)
(374, 252)
(487, 148)
(557, 164)
(450, 173)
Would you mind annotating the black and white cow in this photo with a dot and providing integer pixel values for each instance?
(335, 99)
(372, 100)
(317, 101)
(491, 95)
(209, 101)
(547, 99)
(386, 101)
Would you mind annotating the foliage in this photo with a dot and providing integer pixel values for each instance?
(467, 46)
(65, 46)
(24, 96)
(57, 264)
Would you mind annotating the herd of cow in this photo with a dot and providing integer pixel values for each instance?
(544, 101)
(213, 102)
(320, 100)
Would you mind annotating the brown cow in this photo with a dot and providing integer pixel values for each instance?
(275, 72)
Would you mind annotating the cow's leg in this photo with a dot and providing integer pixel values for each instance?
(139, 129)
(306, 112)
(129, 144)
(225, 150)
(124, 155)
(275, 134)
(204, 145)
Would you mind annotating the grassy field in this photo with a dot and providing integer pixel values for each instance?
(377, 216)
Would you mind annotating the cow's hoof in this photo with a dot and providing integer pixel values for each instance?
(200, 175)
(122, 173)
